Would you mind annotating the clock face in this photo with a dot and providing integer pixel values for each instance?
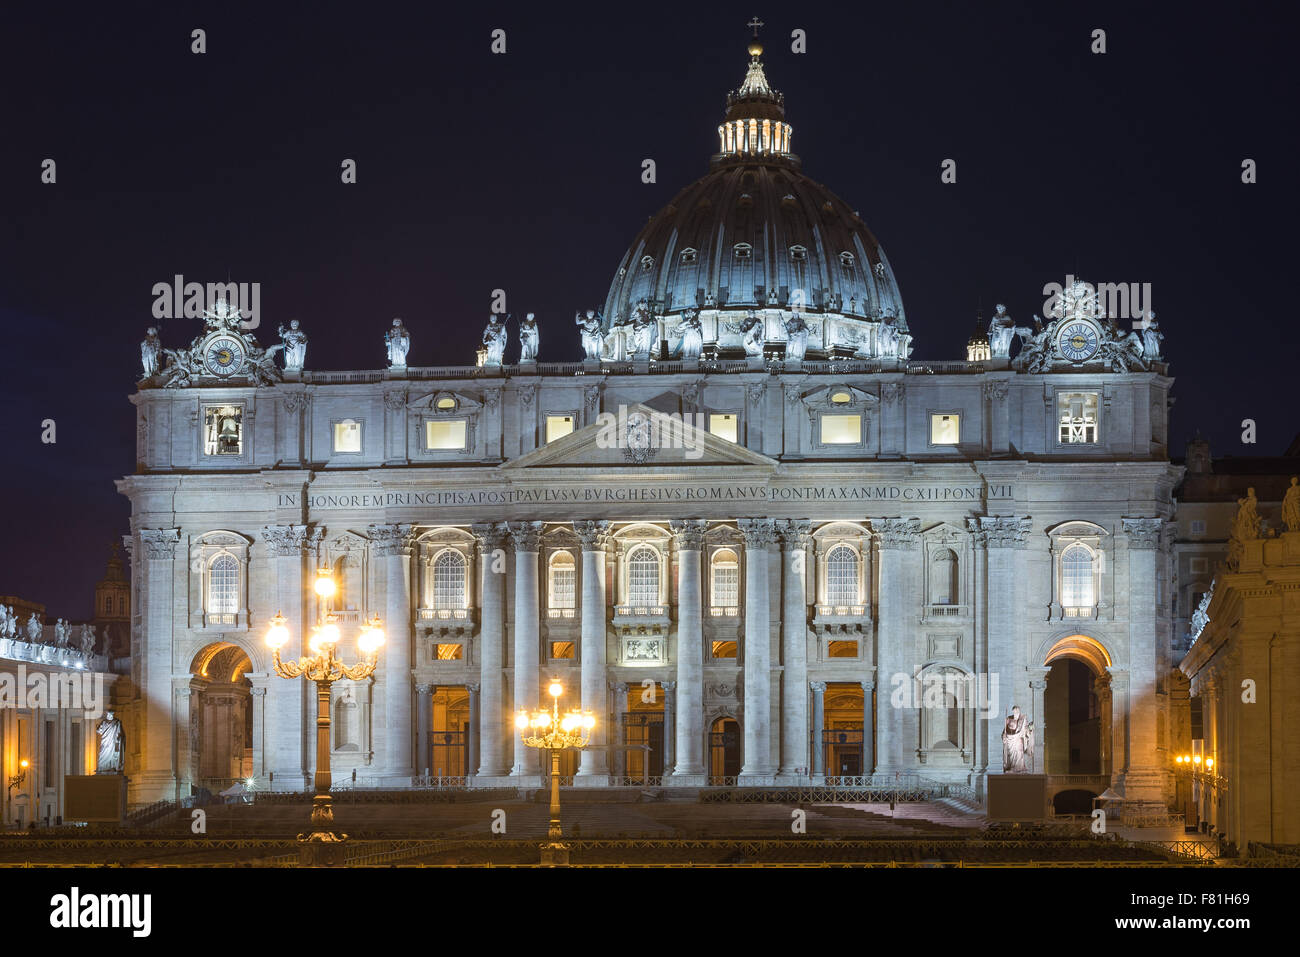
(1078, 340)
(223, 356)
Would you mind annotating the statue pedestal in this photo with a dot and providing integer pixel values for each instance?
(590, 365)
(755, 363)
(395, 372)
(1017, 797)
(527, 367)
(793, 365)
(94, 798)
(691, 364)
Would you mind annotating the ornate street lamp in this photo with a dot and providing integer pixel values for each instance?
(21, 776)
(551, 730)
(323, 846)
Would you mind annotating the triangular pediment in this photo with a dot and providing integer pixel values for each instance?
(640, 437)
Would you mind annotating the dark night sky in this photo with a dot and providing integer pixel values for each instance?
(522, 172)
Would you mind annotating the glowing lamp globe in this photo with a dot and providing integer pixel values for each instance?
(277, 635)
(556, 689)
(371, 638)
(521, 720)
(324, 583)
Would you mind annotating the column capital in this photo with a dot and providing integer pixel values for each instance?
(592, 534)
(899, 533)
(472, 687)
(688, 534)
(817, 686)
(391, 540)
(285, 541)
(1006, 531)
(794, 533)
(1143, 533)
(979, 538)
(669, 686)
(868, 686)
(160, 543)
(1118, 678)
(758, 532)
(526, 535)
(424, 689)
(490, 536)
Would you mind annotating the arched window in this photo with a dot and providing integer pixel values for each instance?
(223, 586)
(643, 576)
(563, 588)
(943, 577)
(724, 582)
(1078, 589)
(449, 580)
(842, 576)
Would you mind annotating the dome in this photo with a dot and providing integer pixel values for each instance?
(755, 236)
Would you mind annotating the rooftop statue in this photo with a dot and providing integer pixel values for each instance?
(294, 342)
(1151, 338)
(754, 334)
(35, 629)
(796, 338)
(1245, 528)
(589, 328)
(494, 339)
(528, 339)
(692, 334)
(1017, 743)
(150, 352)
(1291, 506)
(643, 330)
(398, 343)
(1002, 329)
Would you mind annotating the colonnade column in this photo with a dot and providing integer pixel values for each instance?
(526, 536)
(471, 759)
(1007, 536)
(759, 534)
(1119, 718)
(794, 647)
(1145, 777)
(394, 544)
(491, 561)
(670, 724)
(689, 713)
(896, 641)
(868, 728)
(158, 775)
(1038, 715)
(594, 766)
(286, 728)
(979, 540)
(424, 729)
(619, 689)
(819, 720)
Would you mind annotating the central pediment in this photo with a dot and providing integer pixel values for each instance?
(639, 436)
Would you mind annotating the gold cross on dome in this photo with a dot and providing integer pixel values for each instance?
(755, 23)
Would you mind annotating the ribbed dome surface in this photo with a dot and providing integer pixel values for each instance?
(747, 231)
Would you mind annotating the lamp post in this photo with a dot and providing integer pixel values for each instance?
(550, 730)
(322, 846)
(21, 776)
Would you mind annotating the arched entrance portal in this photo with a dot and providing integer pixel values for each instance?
(842, 730)
(1077, 706)
(221, 718)
(724, 751)
(643, 735)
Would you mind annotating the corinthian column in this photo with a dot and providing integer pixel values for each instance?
(689, 767)
(896, 656)
(1144, 779)
(979, 609)
(527, 536)
(594, 766)
(1007, 536)
(794, 647)
(287, 756)
(491, 562)
(160, 578)
(757, 767)
(393, 544)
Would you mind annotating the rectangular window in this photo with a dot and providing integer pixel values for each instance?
(563, 590)
(945, 428)
(444, 434)
(223, 430)
(724, 649)
(561, 649)
(725, 425)
(841, 649)
(347, 436)
(558, 426)
(1198, 526)
(450, 652)
(841, 430)
(1076, 414)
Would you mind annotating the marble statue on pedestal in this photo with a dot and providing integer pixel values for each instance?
(589, 330)
(35, 629)
(1290, 506)
(87, 640)
(754, 334)
(643, 330)
(62, 633)
(692, 334)
(888, 339)
(398, 342)
(150, 352)
(8, 622)
(1151, 337)
(1017, 743)
(796, 338)
(112, 745)
(528, 339)
(295, 346)
(494, 339)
